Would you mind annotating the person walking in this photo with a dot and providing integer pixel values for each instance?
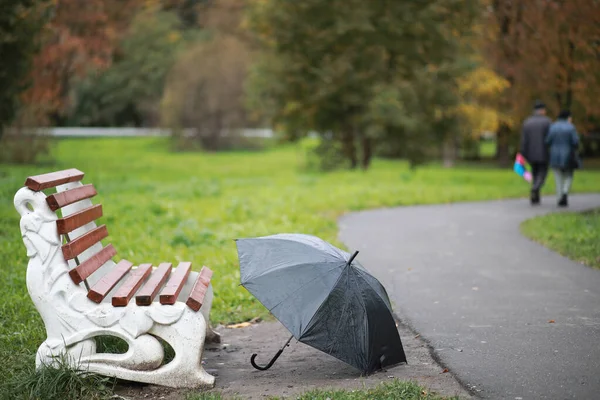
(533, 147)
(563, 141)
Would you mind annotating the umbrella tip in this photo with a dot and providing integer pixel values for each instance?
(352, 258)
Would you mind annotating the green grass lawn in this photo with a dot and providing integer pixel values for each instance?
(163, 206)
(574, 235)
(394, 390)
(487, 148)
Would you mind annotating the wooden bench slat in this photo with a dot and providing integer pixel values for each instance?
(99, 291)
(175, 284)
(131, 285)
(89, 266)
(82, 243)
(146, 295)
(52, 179)
(59, 200)
(78, 219)
(196, 297)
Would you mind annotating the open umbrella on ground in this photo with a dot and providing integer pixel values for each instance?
(324, 297)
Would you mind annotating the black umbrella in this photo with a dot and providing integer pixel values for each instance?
(324, 297)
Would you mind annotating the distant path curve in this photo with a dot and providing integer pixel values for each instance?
(483, 296)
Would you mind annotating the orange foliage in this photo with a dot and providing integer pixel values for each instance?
(80, 35)
(547, 49)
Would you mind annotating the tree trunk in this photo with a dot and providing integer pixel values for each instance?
(450, 151)
(569, 94)
(349, 148)
(367, 151)
(502, 142)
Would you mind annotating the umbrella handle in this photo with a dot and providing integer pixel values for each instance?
(270, 364)
(266, 367)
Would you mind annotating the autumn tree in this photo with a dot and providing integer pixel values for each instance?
(77, 37)
(546, 50)
(568, 56)
(129, 92)
(479, 91)
(366, 74)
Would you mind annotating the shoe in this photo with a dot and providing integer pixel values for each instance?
(563, 202)
(535, 197)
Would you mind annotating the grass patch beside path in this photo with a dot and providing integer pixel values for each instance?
(574, 235)
(394, 390)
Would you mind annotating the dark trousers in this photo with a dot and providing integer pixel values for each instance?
(539, 172)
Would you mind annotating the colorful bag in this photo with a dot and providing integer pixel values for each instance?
(520, 167)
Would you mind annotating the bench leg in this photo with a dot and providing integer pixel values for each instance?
(46, 356)
(185, 370)
(212, 336)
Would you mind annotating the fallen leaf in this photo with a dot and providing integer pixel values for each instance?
(253, 321)
(241, 325)
(445, 370)
(551, 321)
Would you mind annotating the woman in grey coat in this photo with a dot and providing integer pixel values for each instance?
(563, 141)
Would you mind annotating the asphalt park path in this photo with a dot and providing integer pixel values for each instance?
(483, 296)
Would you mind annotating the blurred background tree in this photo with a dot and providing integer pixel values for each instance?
(205, 89)
(371, 75)
(20, 24)
(421, 81)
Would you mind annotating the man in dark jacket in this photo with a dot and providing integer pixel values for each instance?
(533, 147)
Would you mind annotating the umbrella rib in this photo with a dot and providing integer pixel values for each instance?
(339, 324)
(321, 305)
(362, 301)
(263, 273)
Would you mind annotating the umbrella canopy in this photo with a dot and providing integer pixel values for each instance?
(323, 297)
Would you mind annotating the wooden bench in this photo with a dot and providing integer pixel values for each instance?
(82, 293)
